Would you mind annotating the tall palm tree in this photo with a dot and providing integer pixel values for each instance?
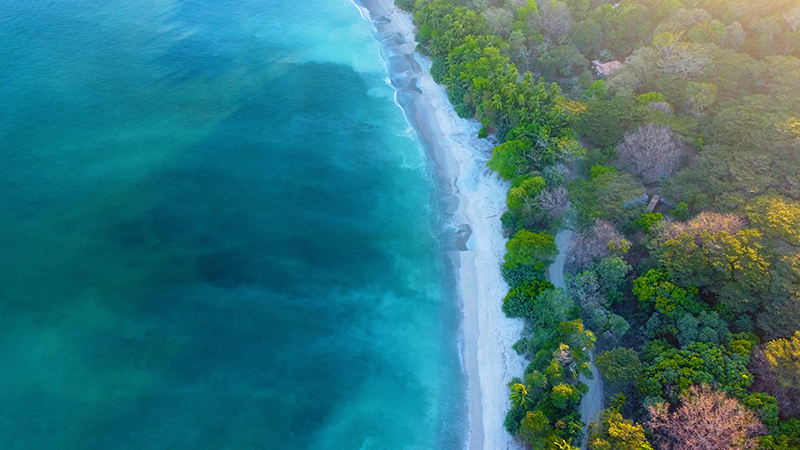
(519, 395)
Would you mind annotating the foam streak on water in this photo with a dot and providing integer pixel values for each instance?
(216, 232)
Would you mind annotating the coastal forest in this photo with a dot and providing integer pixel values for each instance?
(666, 135)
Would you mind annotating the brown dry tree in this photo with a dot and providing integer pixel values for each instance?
(705, 420)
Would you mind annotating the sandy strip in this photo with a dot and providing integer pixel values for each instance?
(471, 198)
(592, 402)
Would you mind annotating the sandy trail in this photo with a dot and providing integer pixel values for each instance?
(592, 402)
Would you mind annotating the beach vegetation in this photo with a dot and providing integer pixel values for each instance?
(526, 248)
(509, 159)
(521, 301)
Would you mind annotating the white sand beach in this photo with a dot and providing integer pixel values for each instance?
(475, 197)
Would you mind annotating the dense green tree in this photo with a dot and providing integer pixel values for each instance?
(606, 120)
(530, 249)
(680, 212)
(703, 327)
(647, 220)
(657, 293)
(509, 159)
(564, 395)
(780, 316)
(522, 300)
(608, 195)
(523, 195)
(549, 145)
(588, 37)
(713, 252)
(620, 367)
(785, 436)
(535, 430)
(552, 307)
(777, 216)
(765, 406)
(674, 371)
(564, 64)
(611, 272)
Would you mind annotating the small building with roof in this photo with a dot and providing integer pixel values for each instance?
(604, 69)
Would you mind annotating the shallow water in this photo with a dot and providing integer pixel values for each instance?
(218, 232)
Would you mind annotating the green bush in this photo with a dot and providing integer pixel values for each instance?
(764, 405)
(681, 212)
(520, 275)
(599, 169)
(521, 301)
(533, 249)
(785, 436)
(513, 418)
(650, 97)
(512, 222)
(620, 367)
(647, 220)
(405, 5)
(674, 371)
(438, 69)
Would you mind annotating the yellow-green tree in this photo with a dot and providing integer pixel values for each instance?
(530, 249)
(777, 216)
(613, 432)
(784, 358)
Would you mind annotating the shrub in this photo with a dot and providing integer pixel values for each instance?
(520, 275)
(647, 220)
(681, 212)
(520, 302)
(531, 249)
(621, 368)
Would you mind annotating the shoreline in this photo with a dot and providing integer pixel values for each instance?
(471, 199)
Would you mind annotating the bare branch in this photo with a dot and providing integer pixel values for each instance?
(649, 151)
(792, 18)
(553, 201)
(594, 244)
(554, 19)
(499, 21)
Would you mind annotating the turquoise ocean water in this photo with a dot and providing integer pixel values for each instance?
(217, 232)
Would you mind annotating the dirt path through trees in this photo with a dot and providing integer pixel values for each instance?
(592, 402)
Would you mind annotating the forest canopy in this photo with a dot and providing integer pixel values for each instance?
(691, 299)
